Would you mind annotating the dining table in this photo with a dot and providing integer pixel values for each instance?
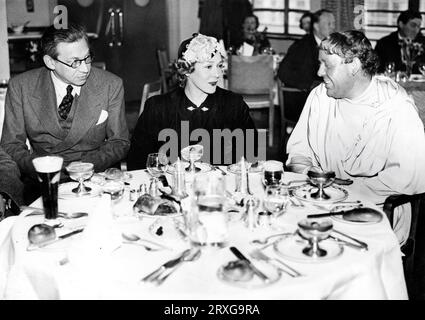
(102, 263)
(415, 87)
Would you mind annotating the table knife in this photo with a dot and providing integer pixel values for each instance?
(169, 264)
(240, 256)
(64, 236)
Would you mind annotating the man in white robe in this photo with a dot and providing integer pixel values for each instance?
(361, 126)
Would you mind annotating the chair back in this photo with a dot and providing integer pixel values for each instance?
(149, 89)
(251, 74)
(164, 70)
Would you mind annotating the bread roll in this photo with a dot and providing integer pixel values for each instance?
(237, 271)
(41, 233)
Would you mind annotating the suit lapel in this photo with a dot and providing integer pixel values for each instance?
(44, 104)
(88, 108)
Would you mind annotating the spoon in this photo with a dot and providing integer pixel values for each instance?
(135, 239)
(194, 255)
(265, 240)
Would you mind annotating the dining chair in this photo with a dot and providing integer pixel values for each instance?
(149, 89)
(414, 247)
(165, 71)
(253, 78)
(287, 124)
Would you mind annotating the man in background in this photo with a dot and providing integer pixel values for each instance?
(389, 47)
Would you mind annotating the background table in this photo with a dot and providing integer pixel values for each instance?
(89, 266)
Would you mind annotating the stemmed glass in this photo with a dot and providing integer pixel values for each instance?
(156, 164)
(276, 199)
(315, 231)
(192, 154)
(80, 171)
(421, 67)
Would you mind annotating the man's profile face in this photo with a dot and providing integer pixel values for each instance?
(325, 26)
(411, 28)
(68, 52)
(336, 75)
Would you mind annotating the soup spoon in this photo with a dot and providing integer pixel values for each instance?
(133, 238)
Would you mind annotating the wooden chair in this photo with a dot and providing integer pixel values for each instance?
(165, 71)
(149, 89)
(414, 248)
(253, 78)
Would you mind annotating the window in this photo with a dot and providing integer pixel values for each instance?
(280, 17)
(381, 15)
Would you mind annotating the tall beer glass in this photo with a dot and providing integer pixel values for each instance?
(48, 171)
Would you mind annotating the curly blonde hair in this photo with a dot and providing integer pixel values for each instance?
(198, 48)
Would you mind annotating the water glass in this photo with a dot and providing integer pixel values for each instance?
(115, 189)
(272, 173)
(276, 199)
(206, 222)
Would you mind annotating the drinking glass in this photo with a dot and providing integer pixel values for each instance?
(115, 189)
(421, 67)
(48, 170)
(192, 154)
(272, 173)
(206, 222)
(390, 69)
(80, 171)
(276, 199)
(156, 164)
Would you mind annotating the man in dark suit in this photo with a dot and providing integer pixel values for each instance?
(67, 108)
(389, 48)
(299, 67)
(11, 186)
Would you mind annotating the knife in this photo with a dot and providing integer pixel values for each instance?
(240, 256)
(64, 236)
(167, 265)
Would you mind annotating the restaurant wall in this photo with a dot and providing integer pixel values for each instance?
(4, 48)
(41, 15)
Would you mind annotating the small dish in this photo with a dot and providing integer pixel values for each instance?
(292, 248)
(253, 282)
(335, 193)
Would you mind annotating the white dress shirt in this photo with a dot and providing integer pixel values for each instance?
(60, 89)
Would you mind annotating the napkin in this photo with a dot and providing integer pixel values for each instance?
(247, 49)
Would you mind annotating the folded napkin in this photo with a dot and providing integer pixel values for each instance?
(247, 49)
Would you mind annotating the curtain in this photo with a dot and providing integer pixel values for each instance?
(344, 12)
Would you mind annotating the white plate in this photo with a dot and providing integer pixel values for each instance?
(270, 271)
(335, 193)
(236, 167)
(292, 248)
(340, 218)
(65, 191)
(205, 167)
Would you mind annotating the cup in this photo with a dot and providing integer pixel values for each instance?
(276, 199)
(272, 173)
(206, 222)
(48, 170)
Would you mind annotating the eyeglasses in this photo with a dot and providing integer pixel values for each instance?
(76, 63)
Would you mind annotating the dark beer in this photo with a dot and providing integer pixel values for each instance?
(49, 183)
(48, 169)
(272, 173)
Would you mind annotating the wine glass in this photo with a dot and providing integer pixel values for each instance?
(156, 164)
(276, 199)
(80, 171)
(321, 180)
(192, 154)
(421, 67)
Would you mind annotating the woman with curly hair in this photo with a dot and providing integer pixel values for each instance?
(197, 104)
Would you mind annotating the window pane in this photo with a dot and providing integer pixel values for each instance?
(387, 4)
(299, 4)
(376, 33)
(294, 23)
(269, 4)
(389, 19)
(272, 20)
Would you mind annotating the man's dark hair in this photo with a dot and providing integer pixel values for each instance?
(306, 14)
(408, 15)
(53, 36)
(349, 45)
(316, 17)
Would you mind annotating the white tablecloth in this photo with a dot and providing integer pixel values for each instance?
(105, 271)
